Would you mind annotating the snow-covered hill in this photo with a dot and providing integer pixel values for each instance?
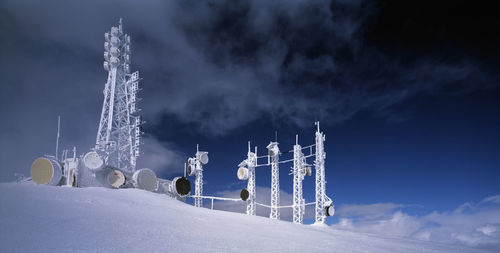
(60, 219)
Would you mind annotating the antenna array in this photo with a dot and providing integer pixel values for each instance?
(195, 168)
(118, 136)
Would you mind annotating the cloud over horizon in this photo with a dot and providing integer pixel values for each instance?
(475, 224)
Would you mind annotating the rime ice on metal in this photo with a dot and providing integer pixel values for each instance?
(322, 201)
(118, 137)
(300, 169)
(195, 168)
(246, 171)
(274, 152)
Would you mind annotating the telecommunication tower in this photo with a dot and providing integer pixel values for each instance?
(118, 136)
(324, 205)
(300, 170)
(195, 168)
(273, 152)
(246, 171)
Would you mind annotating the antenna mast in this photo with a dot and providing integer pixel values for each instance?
(195, 168)
(273, 153)
(299, 171)
(251, 162)
(57, 138)
(319, 165)
(118, 136)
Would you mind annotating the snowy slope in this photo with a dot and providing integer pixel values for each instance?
(60, 219)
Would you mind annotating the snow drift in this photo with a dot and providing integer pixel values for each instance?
(40, 218)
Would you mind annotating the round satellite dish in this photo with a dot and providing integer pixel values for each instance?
(145, 179)
(330, 210)
(190, 170)
(308, 171)
(244, 194)
(46, 171)
(93, 161)
(273, 150)
(203, 157)
(182, 186)
(116, 178)
(243, 173)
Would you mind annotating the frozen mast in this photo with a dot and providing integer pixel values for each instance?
(118, 137)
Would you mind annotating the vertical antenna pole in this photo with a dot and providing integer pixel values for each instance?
(184, 169)
(58, 130)
(251, 163)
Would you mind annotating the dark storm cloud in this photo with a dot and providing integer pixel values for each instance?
(214, 65)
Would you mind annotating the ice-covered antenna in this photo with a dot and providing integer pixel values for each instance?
(58, 130)
(184, 169)
(246, 171)
(196, 169)
(324, 205)
(119, 133)
(273, 154)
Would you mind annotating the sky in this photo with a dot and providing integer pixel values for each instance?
(407, 94)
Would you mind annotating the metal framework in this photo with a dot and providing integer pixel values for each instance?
(323, 204)
(319, 165)
(252, 194)
(299, 171)
(198, 190)
(275, 180)
(195, 168)
(118, 136)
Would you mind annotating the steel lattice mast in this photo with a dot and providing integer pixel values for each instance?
(275, 183)
(319, 165)
(299, 171)
(198, 191)
(251, 163)
(195, 168)
(118, 137)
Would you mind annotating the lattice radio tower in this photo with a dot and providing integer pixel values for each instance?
(323, 202)
(246, 171)
(300, 170)
(118, 137)
(274, 152)
(195, 168)
(251, 163)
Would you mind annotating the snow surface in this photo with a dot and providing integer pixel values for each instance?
(39, 218)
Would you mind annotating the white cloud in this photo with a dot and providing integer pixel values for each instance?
(492, 199)
(471, 224)
(163, 158)
(487, 230)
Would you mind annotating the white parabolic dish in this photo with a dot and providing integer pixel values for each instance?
(93, 161)
(145, 179)
(46, 171)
